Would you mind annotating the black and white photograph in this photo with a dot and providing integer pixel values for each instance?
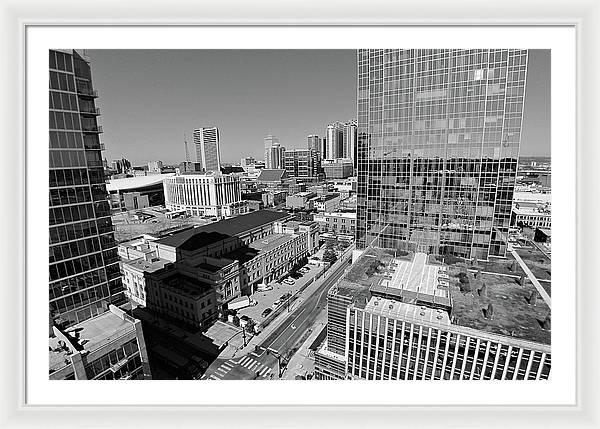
(300, 214)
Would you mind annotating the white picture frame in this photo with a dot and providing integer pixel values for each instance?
(19, 18)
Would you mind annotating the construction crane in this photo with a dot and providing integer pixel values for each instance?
(187, 153)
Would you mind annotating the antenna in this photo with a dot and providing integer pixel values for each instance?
(187, 153)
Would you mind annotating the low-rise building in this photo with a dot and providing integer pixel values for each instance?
(301, 200)
(271, 179)
(132, 193)
(327, 202)
(134, 276)
(182, 297)
(337, 222)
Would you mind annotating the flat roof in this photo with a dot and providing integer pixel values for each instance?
(271, 242)
(147, 266)
(532, 197)
(514, 313)
(187, 285)
(414, 281)
(401, 310)
(100, 330)
(202, 239)
(231, 227)
(131, 183)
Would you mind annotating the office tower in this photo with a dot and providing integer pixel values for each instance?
(275, 156)
(438, 145)
(314, 142)
(85, 280)
(302, 163)
(349, 137)
(334, 146)
(208, 153)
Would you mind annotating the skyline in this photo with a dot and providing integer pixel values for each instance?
(317, 87)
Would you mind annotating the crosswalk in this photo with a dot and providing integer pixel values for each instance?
(257, 367)
(263, 371)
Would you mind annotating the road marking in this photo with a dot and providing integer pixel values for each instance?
(282, 332)
(221, 370)
(212, 377)
(227, 365)
(264, 371)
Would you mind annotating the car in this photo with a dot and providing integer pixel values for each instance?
(284, 296)
(267, 312)
(303, 270)
(289, 281)
(276, 304)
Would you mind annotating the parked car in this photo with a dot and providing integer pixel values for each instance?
(289, 281)
(267, 312)
(276, 304)
(284, 296)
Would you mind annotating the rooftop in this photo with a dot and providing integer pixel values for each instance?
(400, 310)
(231, 227)
(514, 313)
(271, 242)
(532, 197)
(490, 303)
(201, 239)
(147, 266)
(98, 331)
(271, 175)
(187, 285)
(131, 183)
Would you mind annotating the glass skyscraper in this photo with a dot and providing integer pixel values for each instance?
(84, 265)
(438, 145)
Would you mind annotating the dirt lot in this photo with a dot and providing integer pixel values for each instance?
(149, 221)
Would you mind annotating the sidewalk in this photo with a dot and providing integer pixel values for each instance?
(235, 347)
(301, 362)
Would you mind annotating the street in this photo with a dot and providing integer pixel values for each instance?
(284, 340)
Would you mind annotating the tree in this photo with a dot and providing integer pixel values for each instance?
(329, 256)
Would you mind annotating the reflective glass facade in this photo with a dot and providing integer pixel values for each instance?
(438, 146)
(84, 269)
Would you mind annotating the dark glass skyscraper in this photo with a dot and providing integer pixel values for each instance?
(438, 145)
(84, 265)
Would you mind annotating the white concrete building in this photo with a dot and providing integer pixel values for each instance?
(212, 194)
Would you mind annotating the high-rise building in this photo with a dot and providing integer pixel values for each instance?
(350, 135)
(334, 145)
(438, 145)
(85, 324)
(302, 163)
(315, 142)
(274, 155)
(208, 153)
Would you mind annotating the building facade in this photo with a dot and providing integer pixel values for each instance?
(217, 195)
(334, 140)
(340, 168)
(85, 284)
(208, 152)
(337, 222)
(155, 166)
(438, 143)
(84, 265)
(316, 143)
(302, 163)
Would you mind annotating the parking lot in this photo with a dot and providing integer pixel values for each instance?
(266, 299)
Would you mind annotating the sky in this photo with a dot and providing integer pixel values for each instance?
(150, 98)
